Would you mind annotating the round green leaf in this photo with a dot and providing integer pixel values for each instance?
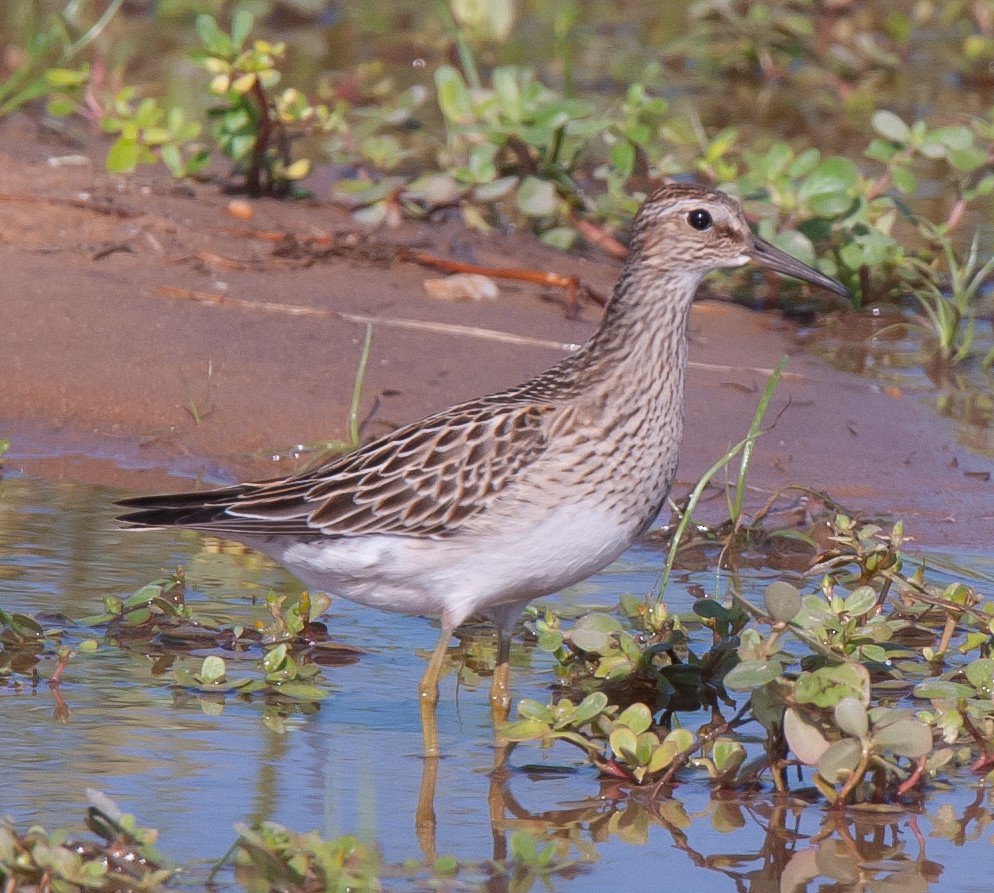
(905, 738)
(529, 708)
(890, 126)
(589, 707)
(840, 760)
(939, 689)
(727, 754)
(536, 198)
(638, 718)
(491, 192)
(795, 244)
(212, 669)
(860, 601)
(804, 738)
(826, 686)
(624, 743)
(782, 601)
(662, 756)
(524, 730)
(453, 95)
(590, 640)
(599, 621)
(850, 716)
(750, 674)
(980, 672)
(826, 190)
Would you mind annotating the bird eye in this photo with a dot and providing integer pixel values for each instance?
(700, 219)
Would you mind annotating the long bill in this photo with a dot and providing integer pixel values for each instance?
(771, 257)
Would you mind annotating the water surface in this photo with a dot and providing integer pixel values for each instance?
(354, 766)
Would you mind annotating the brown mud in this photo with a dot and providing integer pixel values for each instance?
(112, 373)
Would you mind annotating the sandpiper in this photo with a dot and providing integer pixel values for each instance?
(489, 504)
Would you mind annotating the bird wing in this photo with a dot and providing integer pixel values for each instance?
(425, 479)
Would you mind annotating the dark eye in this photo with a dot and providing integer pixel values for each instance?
(700, 219)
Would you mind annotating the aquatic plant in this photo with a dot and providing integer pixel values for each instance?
(826, 702)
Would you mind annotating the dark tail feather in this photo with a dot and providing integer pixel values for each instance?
(196, 509)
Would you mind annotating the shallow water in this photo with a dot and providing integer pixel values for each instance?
(354, 765)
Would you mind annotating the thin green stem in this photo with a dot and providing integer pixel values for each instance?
(467, 60)
(750, 441)
(695, 494)
(93, 32)
(360, 374)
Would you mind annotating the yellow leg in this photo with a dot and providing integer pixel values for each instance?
(500, 695)
(428, 692)
(424, 816)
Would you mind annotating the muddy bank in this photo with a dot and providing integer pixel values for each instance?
(112, 373)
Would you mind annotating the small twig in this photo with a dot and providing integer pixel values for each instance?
(913, 778)
(107, 210)
(572, 285)
(440, 328)
(600, 238)
(261, 144)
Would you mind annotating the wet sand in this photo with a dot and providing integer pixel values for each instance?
(112, 372)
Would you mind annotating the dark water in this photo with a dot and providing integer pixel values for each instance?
(355, 765)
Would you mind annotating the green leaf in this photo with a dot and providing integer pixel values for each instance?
(622, 157)
(212, 669)
(782, 601)
(637, 717)
(508, 91)
(890, 126)
(522, 848)
(536, 198)
(302, 691)
(216, 41)
(850, 716)
(491, 192)
(980, 672)
(122, 157)
(624, 743)
(904, 738)
(728, 755)
(750, 674)
(805, 739)
(525, 730)
(827, 686)
(710, 609)
(859, 601)
(532, 709)
(941, 690)
(561, 237)
(683, 739)
(591, 640)
(274, 658)
(241, 27)
(904, 180)
(840, 760)
(797, 245)
(67, 78)
(453, 95)
(827, 189)
(588, 708)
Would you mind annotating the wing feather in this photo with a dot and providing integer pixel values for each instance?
(426, 479)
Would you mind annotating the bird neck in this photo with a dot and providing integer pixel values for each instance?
(642, 340)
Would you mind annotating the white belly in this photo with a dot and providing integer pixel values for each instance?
(493, 571)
